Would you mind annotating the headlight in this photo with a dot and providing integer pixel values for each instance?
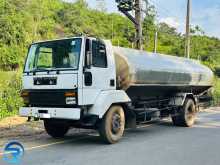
(70, 100)
(24, 93)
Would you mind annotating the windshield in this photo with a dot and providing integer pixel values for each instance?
(57, 55)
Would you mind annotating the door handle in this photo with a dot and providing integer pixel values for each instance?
(112, 82)
(88, 78)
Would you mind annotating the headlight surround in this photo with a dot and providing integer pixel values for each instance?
(70, 94)
(25, 95)
(70, 100)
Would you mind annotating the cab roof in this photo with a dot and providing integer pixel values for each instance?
(60, 39)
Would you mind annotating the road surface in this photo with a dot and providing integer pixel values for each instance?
(158, 143)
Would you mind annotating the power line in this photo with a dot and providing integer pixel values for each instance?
(126, 7)
(164, 10)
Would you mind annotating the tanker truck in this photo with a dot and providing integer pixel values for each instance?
(85, 82)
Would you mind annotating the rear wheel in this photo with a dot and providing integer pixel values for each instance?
(55, 128)
(112, 126)
(187, 114)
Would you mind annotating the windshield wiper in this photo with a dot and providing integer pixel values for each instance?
(49, 70)
(40, 70)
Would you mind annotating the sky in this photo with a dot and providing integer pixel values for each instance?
(205, 13)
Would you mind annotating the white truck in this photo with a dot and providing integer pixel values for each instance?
(86, 82)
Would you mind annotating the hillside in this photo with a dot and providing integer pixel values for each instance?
(25, 21)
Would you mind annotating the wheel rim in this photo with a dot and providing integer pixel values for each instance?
(116, 123)
(190, 114)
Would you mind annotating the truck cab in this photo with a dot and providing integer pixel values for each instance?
(69, 81)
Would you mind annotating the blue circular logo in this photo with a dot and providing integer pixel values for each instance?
(13, 152)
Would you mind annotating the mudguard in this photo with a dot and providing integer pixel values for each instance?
(105, 99)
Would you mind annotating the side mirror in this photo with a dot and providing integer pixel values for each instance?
(88, 60)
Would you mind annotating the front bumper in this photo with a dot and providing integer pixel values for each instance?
(51, 113)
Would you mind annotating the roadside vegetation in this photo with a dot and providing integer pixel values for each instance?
(216, 93)
(23, 22)
(10, 101)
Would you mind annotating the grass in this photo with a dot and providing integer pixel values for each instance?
(5, 77)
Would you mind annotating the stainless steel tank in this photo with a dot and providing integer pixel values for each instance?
(159, 72)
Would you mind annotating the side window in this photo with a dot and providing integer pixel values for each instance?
(99, 58)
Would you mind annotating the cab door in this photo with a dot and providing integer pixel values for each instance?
(98, 76)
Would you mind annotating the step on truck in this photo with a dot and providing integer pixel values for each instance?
(85, 82)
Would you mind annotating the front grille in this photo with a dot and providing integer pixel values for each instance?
(47, 97)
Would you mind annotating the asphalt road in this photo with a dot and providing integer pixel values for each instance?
(158, 143)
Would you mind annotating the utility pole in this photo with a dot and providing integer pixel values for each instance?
(126, 7)
(112, 29)
(155, 41)
(188, 15)
(147, 37)
(138, 18)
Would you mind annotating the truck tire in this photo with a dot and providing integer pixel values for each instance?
(187, 114)
(112, 126)
(55, 129)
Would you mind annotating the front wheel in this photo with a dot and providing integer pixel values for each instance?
(187, 114)
(55, 128)
(112, 126)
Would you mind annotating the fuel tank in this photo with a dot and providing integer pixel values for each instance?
(141, 73)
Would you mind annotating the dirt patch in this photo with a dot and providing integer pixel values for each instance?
(12, 127)
(26, 129)
(18, 128)
(12, 121)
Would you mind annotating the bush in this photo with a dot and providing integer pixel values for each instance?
(10, 100)
(216, 94)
